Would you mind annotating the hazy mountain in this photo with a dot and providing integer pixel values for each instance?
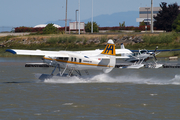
(106, 20)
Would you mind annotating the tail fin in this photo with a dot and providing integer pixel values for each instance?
(122, 46)
(110, 51)
(110, 48)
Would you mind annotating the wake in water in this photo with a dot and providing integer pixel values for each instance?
(106, 78)
(176, 80)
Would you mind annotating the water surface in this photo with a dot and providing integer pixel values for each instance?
(121, 94)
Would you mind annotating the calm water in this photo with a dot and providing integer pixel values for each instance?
(121, 94)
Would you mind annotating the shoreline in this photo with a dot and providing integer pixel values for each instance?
(75, 42)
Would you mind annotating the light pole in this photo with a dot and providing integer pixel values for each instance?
(79, 17)
(66, 18)
(152, 16)
(147, 14)
(76, 19)
(92, 19)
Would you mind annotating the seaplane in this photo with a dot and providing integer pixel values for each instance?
(140, 55)
(137, 57)
(68, 62)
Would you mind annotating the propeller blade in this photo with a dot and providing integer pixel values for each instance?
(155, 57)
(155, 53)
(156, 49)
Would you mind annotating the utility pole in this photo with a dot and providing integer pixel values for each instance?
(76, 19)
(152, 16)
(66, 18)
(79, 17)
(147, 14)
(92, 19)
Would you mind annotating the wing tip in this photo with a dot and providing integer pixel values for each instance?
(11, 51)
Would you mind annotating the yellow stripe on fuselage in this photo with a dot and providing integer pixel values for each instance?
(78, 63)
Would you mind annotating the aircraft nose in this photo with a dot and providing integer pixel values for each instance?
(151, 53)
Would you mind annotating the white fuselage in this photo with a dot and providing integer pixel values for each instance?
(77, 61)
(141, 55)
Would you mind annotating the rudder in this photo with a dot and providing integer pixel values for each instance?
(111, 52)
(110, 48)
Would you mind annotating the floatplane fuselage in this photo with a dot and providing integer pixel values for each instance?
(104, 60)
(77, 61)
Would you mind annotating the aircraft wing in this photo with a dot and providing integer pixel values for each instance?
(90, 52)
(122, 51)
(55, 53)
(98, 51)
(165, 50)
(122, 57)
(36, 52)
(134, 51)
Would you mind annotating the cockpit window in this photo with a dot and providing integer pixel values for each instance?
(134, 54)
(143, 51)
(62, 58)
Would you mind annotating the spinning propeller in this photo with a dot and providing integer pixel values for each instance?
(154, 53)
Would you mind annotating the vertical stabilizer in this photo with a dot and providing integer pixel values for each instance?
(122, 46)
(110, 52)
(110, 48)
(123, 54)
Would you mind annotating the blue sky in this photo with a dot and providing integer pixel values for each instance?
(32, 12)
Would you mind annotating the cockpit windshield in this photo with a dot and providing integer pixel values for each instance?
(143, 51)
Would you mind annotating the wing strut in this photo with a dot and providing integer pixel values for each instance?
(62, 73)
(55, 69)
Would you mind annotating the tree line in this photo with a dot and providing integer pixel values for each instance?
(168, 17)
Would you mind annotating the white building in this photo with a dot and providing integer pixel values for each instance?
(145, 14)
(44, 25)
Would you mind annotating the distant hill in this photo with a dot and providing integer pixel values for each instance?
(111, 20)
(106, 20)
(103, 20)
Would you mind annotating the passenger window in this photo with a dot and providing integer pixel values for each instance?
(80, 60)
(74, 59)
(71, 58)
(66, 58)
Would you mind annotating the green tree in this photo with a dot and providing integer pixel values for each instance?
(166, 16)
(176, 24)
(142, 23)
(50, 29)
(122, 24)
(88, 27)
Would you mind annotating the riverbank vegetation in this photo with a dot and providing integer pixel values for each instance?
(163, 40)
(56, 42)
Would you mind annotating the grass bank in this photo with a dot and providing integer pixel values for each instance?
(89, 42)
